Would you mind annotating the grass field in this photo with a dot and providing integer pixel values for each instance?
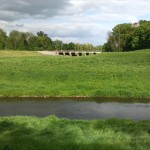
(105, 75)
(51, 133)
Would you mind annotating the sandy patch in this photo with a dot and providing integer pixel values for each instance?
(48, 52)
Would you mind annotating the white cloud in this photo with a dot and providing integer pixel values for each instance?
(76, 20)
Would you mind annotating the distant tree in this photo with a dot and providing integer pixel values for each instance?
(3, 39)
(65, 46)
(77, 47)
(111, 44)
(58, 44)
(71, 46)
(99, 47)
(27, 43)
(44, 42)
(41, 33)
(106, 47)
(141, 37)
(119, 39)
(127, 37)
(33, 43)
(16, 40)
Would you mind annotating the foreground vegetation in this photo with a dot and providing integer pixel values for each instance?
(51, 133)
(104, 75)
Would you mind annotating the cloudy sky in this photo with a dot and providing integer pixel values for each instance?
(83, 21)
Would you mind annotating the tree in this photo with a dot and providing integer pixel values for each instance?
(58, 44)
(3, 39)
(41, 33)
(33, 43)
(141, 38)
(16, 40)
(127, 37)
(28, 41)
(120, 37)
(44, 42)
(71, 46)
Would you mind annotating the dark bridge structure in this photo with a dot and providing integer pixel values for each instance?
(76, 53)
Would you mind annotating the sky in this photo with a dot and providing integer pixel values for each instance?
(78, 21)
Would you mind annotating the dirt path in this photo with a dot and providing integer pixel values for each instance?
(48, 52)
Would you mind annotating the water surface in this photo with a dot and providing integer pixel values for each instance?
(76, 108)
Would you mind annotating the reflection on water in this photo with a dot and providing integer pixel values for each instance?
(81, 108)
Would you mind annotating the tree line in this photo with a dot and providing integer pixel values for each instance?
(17, 40)
(128, 37)
(123, 37)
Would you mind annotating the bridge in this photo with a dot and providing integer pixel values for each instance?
(76, 53)
(69, 53)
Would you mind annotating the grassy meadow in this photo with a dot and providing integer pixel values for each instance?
(105, 75)
(51, 133)
(124, 74)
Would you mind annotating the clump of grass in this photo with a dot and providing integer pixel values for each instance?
(107, 74)
(60, 134)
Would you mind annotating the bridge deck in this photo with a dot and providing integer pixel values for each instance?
(69, 53)
(76, 53)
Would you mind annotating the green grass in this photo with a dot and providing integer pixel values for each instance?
(11, 53)
(105, 75)
(51, 133)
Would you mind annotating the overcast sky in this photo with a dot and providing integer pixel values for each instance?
(83, 21)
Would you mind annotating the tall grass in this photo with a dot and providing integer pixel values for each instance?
(103, 75)
(51, 133)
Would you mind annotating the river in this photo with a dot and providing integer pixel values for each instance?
(76, 108)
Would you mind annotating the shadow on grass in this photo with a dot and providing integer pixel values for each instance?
(52, 133)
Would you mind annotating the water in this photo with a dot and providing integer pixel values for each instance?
(76, 108)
